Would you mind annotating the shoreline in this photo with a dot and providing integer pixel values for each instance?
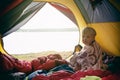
(31, 56)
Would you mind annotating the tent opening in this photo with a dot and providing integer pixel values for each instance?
(48, 30)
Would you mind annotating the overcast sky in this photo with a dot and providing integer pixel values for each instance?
(49, 17)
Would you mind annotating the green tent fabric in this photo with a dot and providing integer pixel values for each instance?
(10, 18)
(18, 16)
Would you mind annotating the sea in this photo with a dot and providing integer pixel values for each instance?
(33, 42)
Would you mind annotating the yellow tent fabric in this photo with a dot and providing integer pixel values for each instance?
(107, 32)
(1, 46)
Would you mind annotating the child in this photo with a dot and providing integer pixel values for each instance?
(90, 56)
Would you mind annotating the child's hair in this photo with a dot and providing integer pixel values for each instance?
(89, 30)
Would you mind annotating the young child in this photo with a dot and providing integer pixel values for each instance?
(90, 56)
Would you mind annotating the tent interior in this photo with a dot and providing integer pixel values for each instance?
(102, 15)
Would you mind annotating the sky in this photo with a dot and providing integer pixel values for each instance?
(50, 18)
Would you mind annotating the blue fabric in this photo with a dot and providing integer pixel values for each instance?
(45, 73)
(35, 73)
(61, 67)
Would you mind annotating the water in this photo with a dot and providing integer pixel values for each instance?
(27, 42)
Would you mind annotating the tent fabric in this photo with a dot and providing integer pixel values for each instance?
(9, 18)
(100, 12)
(18, 16)
(24, 17)
(8, 5)
(102, 15)
(108, 36)
(66, 11)
(115, 3)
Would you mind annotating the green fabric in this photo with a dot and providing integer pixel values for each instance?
(11, 17)
(26, 78)
(91, 78)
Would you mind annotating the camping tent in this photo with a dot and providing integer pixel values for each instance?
(102, 15)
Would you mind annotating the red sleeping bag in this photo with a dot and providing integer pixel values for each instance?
(23, 66)
(47, 65)
(9, 63)
(111, 77)
(60, 75)
(6, 63)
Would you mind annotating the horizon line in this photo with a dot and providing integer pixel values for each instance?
(48, 30)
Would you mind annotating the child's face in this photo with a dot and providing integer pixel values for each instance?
(87, 38)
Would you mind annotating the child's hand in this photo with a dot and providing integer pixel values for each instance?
(77, 67)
